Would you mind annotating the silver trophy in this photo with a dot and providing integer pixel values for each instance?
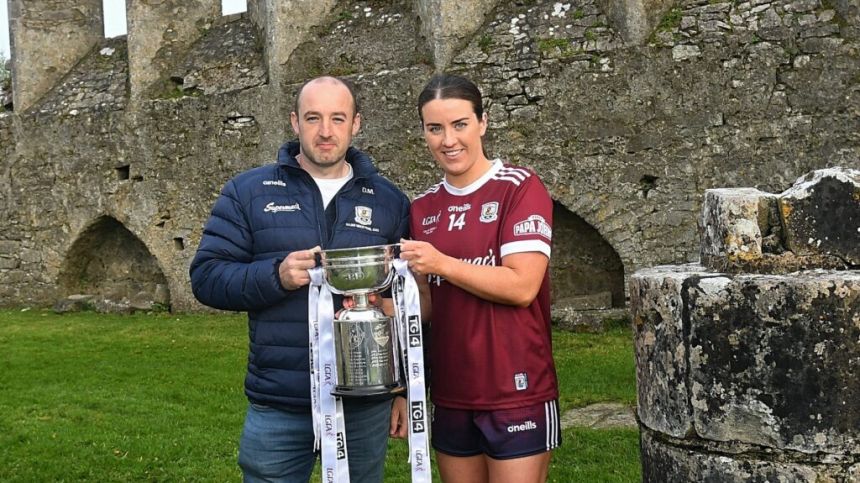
(363, 335)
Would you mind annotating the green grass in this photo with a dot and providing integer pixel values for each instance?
(88, 397)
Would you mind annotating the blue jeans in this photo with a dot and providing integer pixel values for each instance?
(278, 446)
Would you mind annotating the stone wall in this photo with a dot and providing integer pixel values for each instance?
(626, 130)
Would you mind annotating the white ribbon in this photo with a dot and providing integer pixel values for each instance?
(327, 409)
(408, 320)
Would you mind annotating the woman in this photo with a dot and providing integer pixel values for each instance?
(482, 239)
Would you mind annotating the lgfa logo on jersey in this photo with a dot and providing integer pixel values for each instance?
(489, 212)
(533, 225)
(363, 215)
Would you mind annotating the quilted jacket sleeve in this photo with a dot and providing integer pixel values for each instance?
(224, 274)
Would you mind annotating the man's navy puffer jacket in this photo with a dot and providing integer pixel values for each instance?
(260, 217)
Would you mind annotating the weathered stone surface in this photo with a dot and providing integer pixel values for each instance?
(635, 19)
(576, 319)
(657, 301)
(159, 34)
(48, 37)
(225, 59)
(816, 223)
(775, 360)
(99, 83)
(445, 23)
(731, 226)
(762, 359)
(665, 460)
(821, 214)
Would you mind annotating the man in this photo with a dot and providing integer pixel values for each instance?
(257, 247)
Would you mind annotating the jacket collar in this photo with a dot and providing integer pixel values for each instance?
(362, 165)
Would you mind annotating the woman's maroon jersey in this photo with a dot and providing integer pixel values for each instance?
(487, 355)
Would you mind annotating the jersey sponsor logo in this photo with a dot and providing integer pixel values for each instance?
(275, 182)
(526, 426)
(488, 259)
(363, 215)
(490, 212)
(521, 381)
(273, 208)
(533, 225)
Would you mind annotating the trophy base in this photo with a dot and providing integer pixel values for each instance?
(368, 391)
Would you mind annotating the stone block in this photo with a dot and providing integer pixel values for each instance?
(657, 299)
(731, 226)
(814, 224)
(10, 247)
(774, 360)
(664, 462)
(821, 214)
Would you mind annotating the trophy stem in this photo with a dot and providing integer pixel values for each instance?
(361, 300)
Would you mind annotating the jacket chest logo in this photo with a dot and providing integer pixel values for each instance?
(363, 215)
(273, 208)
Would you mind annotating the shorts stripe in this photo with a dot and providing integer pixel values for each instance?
(552, 422)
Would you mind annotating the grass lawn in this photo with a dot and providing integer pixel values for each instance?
(89, 397)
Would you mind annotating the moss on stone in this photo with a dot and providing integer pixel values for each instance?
(485, 43)
(551, 44)
(670, 21)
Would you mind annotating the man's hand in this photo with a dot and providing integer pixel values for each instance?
(293, 271)
(399, 418)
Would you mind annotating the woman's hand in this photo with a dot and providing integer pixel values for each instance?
(423, 257)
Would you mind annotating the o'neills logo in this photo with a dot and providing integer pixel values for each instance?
(276, 182)
(273, 208)
(459, 209)
(526, 426)
(534, 225)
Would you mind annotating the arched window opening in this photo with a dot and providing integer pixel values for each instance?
(114, 18)
(587, 273)
(111, 269)
(229, 7)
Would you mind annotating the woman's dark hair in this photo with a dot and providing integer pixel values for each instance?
(448, 86)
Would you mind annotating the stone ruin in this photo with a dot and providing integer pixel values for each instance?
(627, 109)
(748, 365)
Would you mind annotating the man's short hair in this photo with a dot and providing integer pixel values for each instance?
(346, 82)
